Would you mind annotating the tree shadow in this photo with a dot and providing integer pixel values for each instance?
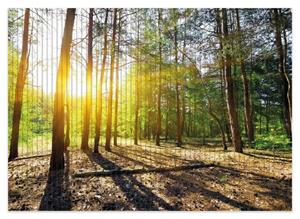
(136, 192)
(57, 196)
(188, 181)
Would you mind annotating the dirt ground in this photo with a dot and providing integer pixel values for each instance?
(210, 180)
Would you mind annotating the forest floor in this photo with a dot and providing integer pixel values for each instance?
(148, 177)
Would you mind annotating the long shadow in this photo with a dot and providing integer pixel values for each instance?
(57, 196)
(200, 189)
(212, 194)
(138, 194)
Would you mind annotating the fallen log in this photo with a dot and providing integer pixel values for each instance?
(139, 171)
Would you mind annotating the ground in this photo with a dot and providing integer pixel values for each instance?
(148, 177)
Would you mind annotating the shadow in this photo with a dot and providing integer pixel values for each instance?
(136, 192)
(187, 181)
(56, 195)
(268, 157)
(194, 183)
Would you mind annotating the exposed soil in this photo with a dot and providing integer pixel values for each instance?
(227, 181)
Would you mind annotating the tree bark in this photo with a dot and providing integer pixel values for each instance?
(231, 106)
(286, 84)
(111, 76)
(247, 96)
(21, 78)
(57, 156)
(99, 91)
(178, 113)
(137, 91)
(117, 83)
(88, 96)
(158, 124)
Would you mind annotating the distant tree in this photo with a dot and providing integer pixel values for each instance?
(247, 98)
(158, 125)
(88, 97)
(111, 76)
(286, 83)
(99, 91)
(117, 81)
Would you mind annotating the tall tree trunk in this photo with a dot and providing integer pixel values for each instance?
(158, 119)
(177, 88)
(111, 76)
(222, 77)
(247, 97)
(231, 106)
(117, 82)
(286, 84)
(88, 96)
(137, 91)
(182, 125)
(100, 85)
(57, 156)
(21, 78)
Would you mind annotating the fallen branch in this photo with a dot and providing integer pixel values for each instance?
(140, 171)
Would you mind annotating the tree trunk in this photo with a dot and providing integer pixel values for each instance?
(67, 135)
(57, 156)
(286, 84)
(247, 97)
(88, 97)
(117, 83)
(111, 76)
(178, 113)
(158, 119)
(137, 91)
(231, 106)
(21, 78)
(215, 117)
(99, 91)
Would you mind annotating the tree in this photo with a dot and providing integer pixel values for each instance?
(57, 155)
(117, 82)
(231, 105)
(99, 91)
(88, 98)
(137, 89)
(247, 97)
(110, 92)
(177, 88)
(21, 78)
(286, 84)
(158, 124)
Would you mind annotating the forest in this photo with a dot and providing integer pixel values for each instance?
(150, 109)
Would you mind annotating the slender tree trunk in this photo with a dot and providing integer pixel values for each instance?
(158, 119)
(222, 76)
(57, 156)
(110, 93)
(88, 97)
(286, 84)
(231, 106)
(178, 113)
(247, 97)
(21, 78)
(100, 85)
(117, 83)
(137, 91)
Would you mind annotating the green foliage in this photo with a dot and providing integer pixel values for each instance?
(269, 141)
